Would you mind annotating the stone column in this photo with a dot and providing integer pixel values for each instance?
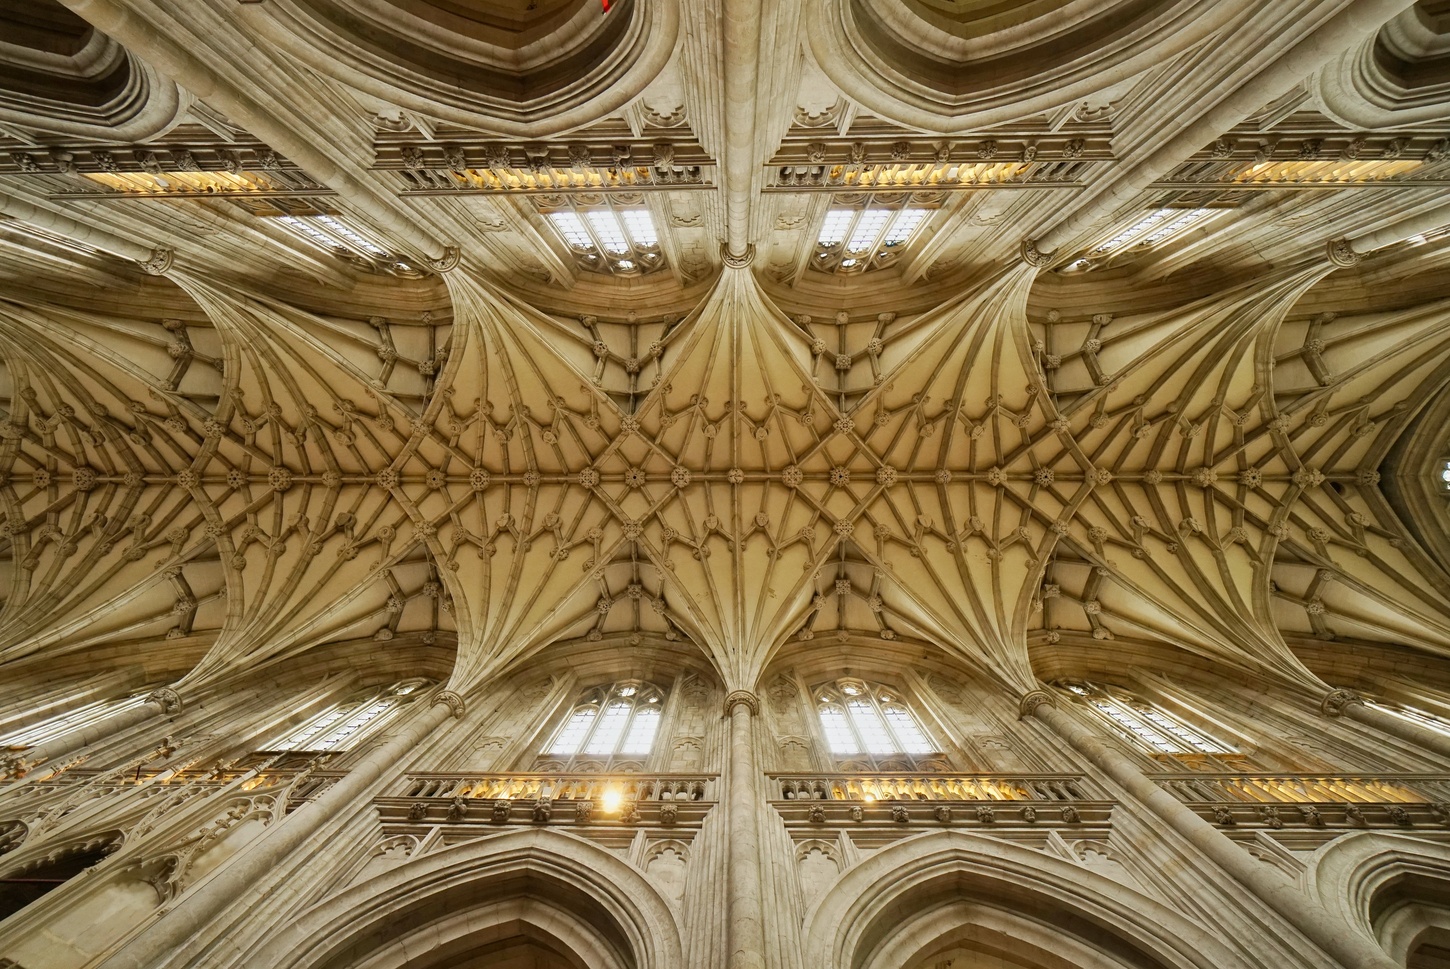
(234, 885)
(1346, 944)
(746, 921)
(163, 701)
(1344, 703)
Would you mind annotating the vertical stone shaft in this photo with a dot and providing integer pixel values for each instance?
(745, 929)
(742, 65)
(1346, 945)
(1351, 706)
(234, 883)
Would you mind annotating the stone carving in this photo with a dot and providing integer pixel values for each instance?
(452, 701)
(166, 698)
(502, 809)
(1336, 701)
(457, 809)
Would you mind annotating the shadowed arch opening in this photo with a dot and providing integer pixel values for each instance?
(950, 895)
(1394, 888)
(537, 898)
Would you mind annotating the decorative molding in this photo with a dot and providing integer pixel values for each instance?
(1033, 256)
(448, 262)
(453, 701)
(1341, 254)
(737, 262)
(1336, 701)
(1033, 700)
(166, 698)
(734, 697)
(160, 262)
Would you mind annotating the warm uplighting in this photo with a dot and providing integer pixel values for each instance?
(1325, 172)
(170, 183)
(611, 801)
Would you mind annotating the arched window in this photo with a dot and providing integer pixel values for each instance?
(52, 727)
(342, 725)
(1160, 732)
(617, 722)
(871, 724)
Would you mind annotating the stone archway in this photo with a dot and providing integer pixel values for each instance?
(560, 900)
(921, 901)
(1394, 888)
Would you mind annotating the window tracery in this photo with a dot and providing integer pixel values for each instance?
(335, 235)
(614, 726)
(868, 235)
(1157, 730)
(343, 724)
(52, 727)
(613, 235)
(871, 727)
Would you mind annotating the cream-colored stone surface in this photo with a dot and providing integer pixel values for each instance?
(305, 397)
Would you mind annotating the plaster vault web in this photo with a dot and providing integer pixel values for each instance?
(263, 480)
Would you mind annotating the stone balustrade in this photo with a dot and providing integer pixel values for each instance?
(561, 787)
(1314, 800)
(1307, 788)
(928, 787)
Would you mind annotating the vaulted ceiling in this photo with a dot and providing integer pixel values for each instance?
(421, 324)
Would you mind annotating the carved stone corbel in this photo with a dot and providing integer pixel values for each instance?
(1335, 702)
(1340, 253)
(167, 699)
(1032, 700)
(1034, 256)
(160, 262)
(449, 261)
(452, 701)
(737, 262)
(751, 701)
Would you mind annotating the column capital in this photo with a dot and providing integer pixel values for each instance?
(751, 701)
(1341, 253)
(737, 262)
(447, 262)
(160, 262)
(167, 699)
(452, 701)
(1032, 700)
(1335, 702)
(1032, 255)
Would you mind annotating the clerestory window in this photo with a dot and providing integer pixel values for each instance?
(1157, 730)
(341, 726)
(609, 724)
(857, 239)
(613, 238)
(871, 725)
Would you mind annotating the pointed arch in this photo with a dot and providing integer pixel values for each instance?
(541, 884)
(960, 887)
